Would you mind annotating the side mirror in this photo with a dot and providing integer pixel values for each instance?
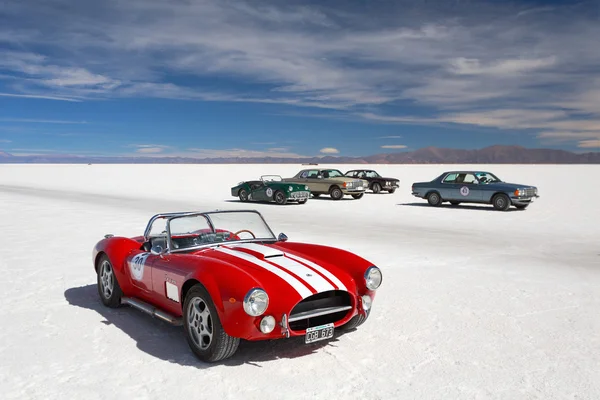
(282, 237)
(156, 250)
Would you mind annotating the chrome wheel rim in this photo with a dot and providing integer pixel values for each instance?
(434, 198)
(200, 324)
(500, 202)
(280, 197)
(243, 195)
(107, 279)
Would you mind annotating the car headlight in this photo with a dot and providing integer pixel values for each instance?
(373, 278)
(290, 188)
(256, 302)
(305, 187)
(267, 324)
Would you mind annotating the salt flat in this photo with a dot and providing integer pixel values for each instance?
(475, 303)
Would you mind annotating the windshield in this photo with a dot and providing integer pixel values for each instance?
(331, 173)
(271, 178)
(372, 174)
(487, 177)
(195, 230)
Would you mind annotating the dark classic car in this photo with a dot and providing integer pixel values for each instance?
(271, 188)
(377, 183)
(475, 187)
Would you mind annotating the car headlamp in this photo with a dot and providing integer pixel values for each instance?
(290, 188)
(256, 302)
(267, 324)
(373, 278)
(366, 302)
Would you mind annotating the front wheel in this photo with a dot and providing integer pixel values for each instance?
(355, 322)
(522, 206)
(391, 191)
(336, 193)
(358, 196)
(280, 197)
(108, 286)
(376, 188)
(203, 329)
(501, 202)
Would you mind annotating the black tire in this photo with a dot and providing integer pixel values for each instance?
(455, 203)
(522, 206)
(106, 276)
(501, 202)
(391, 191)
(301, 201)
(376, 188)
(358, 196)
(279, 197)
(243, 195)
(434, 199)
(336, 193)
(221, 345)
(355, 322)
(316, 194)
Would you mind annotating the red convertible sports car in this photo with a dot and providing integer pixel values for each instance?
(225, 276)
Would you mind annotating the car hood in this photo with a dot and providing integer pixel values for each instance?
(508, 186)
(285, 273)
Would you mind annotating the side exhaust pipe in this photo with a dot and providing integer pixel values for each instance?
(153, 311)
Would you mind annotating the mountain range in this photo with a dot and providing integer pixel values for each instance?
(429, 155)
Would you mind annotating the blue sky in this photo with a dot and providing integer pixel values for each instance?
(233, 78)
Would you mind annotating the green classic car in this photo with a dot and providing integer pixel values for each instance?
(271, 188)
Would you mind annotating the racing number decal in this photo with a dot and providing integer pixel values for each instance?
(464, 191)
(136, 265)
(269, 192)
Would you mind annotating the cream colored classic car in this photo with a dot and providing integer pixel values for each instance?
(331, 182)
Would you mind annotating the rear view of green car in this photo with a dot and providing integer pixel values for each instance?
(271, 188)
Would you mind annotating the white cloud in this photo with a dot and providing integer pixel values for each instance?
(589, 144)
(5, 141)
(41, 121)
(329, 150)
(393, 146)
(390, 137)
(39, 96)
(231, 153)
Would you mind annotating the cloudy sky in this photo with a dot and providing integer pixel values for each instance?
(249, 78)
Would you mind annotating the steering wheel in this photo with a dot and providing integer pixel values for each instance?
(245, 230)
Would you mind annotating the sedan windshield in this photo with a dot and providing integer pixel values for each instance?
(195, 230)
(331, 173)
(487, 177)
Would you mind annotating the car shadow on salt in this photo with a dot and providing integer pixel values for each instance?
(459, 207)
(166, 342)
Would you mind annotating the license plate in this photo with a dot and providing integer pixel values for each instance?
(360, 188)
(319, 333)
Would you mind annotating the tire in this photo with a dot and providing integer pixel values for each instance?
(336, 193)
(391, 191)
(522, 206)
(501, 202)
(315, 195)
(434, 199)
(358, 196)
(279, 197)
(301, 201)
(355, 322)
(243, 195)
(376, 188)
(199, 317)
(455, 203)
(108, 287)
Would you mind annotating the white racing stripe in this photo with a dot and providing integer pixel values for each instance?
(302, 290)
(322, 270)
(311, 277)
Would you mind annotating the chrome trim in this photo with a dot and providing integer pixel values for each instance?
(108, 235)
(285, 331)
(247, 296)
(153, 311)
(317, 312)
(372, 267)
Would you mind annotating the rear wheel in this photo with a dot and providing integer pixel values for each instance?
(243, 195)
(376, 188)
(203, 329)
(279, 197)
(336, 193)
(108, 286)
(501, 202)
(434, 199)
(358, 196)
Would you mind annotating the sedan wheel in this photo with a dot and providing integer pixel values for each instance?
(336, 193)
(203, 329)
(376, 187)
(434, 199)
(501, 202)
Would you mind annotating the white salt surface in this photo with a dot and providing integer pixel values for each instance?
(475, 303)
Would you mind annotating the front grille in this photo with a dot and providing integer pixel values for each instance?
(529, 192)
(321, 308)
(299, 195)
